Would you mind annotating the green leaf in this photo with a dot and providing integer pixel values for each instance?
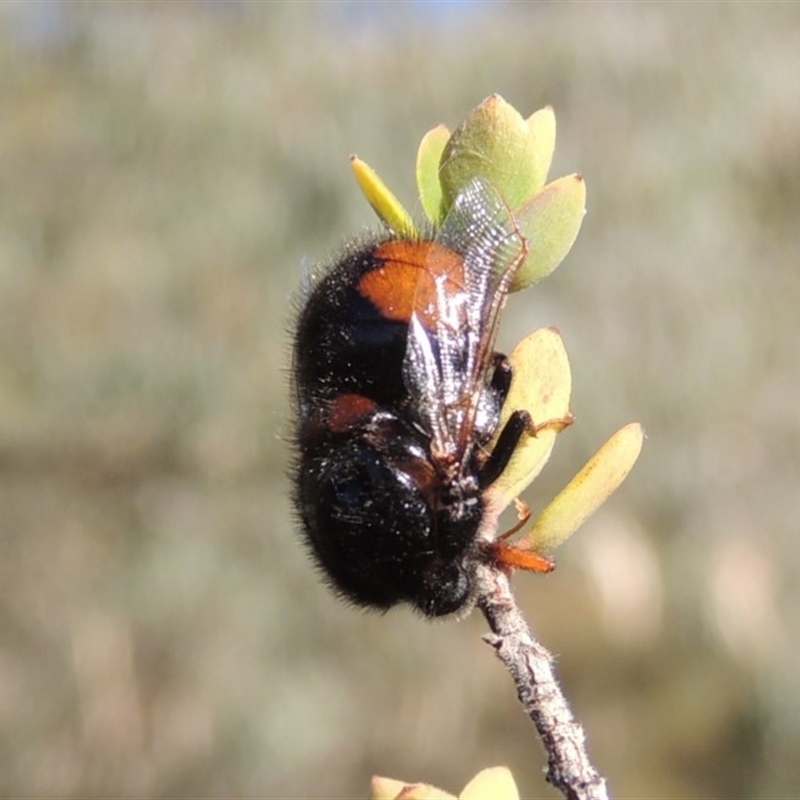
(429, 155)
(495, 143)
(542, 125)
(496, 783)
(541, 385)
(550, 221)
(587, 491)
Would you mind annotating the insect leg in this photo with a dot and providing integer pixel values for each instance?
(518, 424)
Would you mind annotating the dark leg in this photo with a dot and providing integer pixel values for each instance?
(519, 423)
(501, 377)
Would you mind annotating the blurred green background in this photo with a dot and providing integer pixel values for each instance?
(165, 171)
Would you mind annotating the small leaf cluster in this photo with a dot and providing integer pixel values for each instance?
(496, 783)
(513, 154)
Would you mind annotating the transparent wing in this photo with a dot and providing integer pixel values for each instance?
(448, 360)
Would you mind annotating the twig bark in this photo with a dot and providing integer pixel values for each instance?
(531, 667)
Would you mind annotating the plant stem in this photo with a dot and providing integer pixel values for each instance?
(531, 667)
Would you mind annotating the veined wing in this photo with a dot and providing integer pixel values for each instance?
(448, 360)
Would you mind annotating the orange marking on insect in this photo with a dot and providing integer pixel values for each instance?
(406, 281)
(511, 556)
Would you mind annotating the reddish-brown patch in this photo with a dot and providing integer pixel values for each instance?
(347, 410)
(406, 280)
(507, 555)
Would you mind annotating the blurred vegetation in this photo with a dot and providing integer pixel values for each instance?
(165, 171)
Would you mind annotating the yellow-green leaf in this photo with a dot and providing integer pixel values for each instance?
(542, 124)
(385, 788)
(495, 783)
(428, 157)
(550, 221)
(381, 198)
(391, 789)
(587, 491)
(424, 791)
(541, 385)
(495, 143)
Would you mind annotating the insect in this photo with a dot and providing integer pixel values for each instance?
(399, 391)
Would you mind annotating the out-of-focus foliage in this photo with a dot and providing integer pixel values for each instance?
(495, 782)
(165, 170)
